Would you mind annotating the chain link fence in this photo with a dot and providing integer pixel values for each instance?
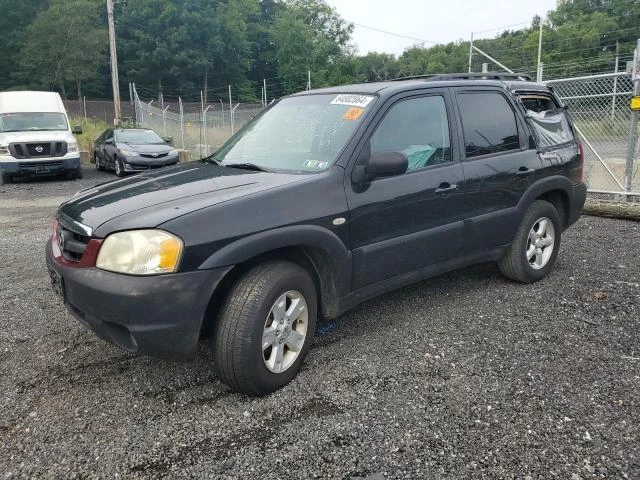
(600, 107)
(199, 128)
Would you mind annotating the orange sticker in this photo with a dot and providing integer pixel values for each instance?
(353, 113)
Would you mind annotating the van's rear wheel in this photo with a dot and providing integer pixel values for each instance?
(6, 178)
(265, 328)
(535, 247)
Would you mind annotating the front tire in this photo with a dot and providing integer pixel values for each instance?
(119, 167)
(535, 247)
(265, 328)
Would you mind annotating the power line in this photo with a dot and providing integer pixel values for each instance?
(399, 35)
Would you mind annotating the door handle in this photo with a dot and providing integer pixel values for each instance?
(446, 187)
(524, 171)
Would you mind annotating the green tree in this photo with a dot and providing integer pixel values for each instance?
(64, 46)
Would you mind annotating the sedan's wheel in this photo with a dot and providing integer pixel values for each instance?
(119, 167)
(96, 157)
(535, 246)
(265, 328)
(5, 178)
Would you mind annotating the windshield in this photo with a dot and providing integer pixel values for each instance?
(27, 122)
(138, 137)
(304, 133)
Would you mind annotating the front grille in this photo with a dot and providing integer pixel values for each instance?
(38, 149)
(154, 155)
(72, 244)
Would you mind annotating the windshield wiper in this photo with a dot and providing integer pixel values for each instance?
(248, 166)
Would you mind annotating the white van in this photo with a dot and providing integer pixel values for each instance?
(35, 137)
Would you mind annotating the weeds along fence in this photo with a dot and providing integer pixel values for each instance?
(600, 108)
(196, 127)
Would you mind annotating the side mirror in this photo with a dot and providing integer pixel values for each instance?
(77, 130)
(382, 164)
(168, 140)
(387, 164)
(109, 141)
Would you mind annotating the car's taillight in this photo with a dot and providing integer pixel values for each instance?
(581, 162)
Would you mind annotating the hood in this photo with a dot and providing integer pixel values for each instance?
(149, 199)
(37, 136)
(142, 148)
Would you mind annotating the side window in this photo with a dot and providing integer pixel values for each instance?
(417, 127)
(548, 122)
(488, 123)
(109, 135)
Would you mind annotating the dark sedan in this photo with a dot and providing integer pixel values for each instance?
(128, 150)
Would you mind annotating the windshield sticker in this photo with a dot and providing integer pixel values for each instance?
(352, 100)
(353, 114)
(315, 164)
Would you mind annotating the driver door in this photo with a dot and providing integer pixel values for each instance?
(411, 221)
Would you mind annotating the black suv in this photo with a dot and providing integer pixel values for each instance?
(326, 199)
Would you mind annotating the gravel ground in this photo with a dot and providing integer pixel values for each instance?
(463, 376)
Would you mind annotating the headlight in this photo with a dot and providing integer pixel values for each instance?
(4, 150)
(129, 153)
(140, 252)
(72, 147)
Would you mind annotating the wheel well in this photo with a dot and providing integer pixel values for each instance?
(312, 259)
(560, 200)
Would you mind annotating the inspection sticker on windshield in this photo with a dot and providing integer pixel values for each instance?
(353, 114)
(352, 100)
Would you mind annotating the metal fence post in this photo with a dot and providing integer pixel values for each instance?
(181, 121)
(633, 129)
(164, 119)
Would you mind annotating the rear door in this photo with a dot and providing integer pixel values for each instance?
(499, 163)
(410, 221)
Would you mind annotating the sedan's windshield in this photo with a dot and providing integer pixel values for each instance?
(304, 133)
(28, 122)
(138, 137)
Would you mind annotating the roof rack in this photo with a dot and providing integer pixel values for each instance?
(469, 76)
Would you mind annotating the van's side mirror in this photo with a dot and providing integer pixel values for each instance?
(168, 140)
(77, 130)
(382, 164)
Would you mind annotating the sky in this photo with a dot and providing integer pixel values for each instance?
(439, 21)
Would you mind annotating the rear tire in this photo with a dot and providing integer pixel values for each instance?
(96, 158)
(79, 174)
(5, 178)
(535, 247)
(273, 304)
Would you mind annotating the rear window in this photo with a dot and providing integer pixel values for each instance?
(488, 123)
(549, 123)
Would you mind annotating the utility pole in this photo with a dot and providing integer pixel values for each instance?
(633, 128)
(470, 51)
(539, 75)
(114, 64)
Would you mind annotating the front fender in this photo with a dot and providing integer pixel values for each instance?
(328, 254)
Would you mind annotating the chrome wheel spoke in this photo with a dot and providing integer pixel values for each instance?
(546, 241)
(279, 309)
(539, 261)
(542, 227)
(269, 337)
(298, 306)
(295, 341)
(531, 252)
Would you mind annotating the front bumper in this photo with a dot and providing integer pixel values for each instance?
(159, 316)
(577, 197)
(40, 166)
(140, 164)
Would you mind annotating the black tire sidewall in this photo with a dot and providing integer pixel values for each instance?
(118, 163)
(296, 279)
(538, 210)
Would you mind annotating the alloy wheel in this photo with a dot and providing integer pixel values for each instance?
(285, 331)
(540, 243)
